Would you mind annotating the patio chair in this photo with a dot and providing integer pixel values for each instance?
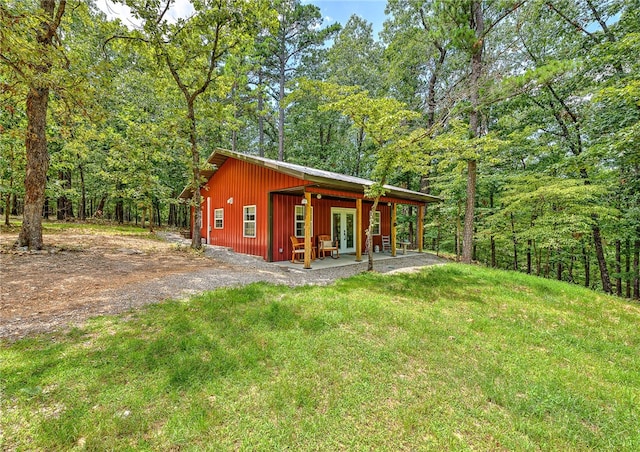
(326, 245)
(297, 249)
(386, 243)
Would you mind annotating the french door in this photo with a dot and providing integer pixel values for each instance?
(343, 229)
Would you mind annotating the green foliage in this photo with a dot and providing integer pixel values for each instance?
(559, 111)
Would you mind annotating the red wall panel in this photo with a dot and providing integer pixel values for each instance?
(248, 185)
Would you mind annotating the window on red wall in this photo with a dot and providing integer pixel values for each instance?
(299, 221)
(218, 218)
(249, 221)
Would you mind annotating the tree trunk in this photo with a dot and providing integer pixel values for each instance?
(572, 260)
(173, 213)
(369, 236)
(636, 270)
(529, 256)
(360, 142)
(64, 205)
(618, 270)
(14, 204)
(458, 230)
(559, 268)
(100, 209)
(493, 252)
(627, 267)
(477, 24)
(36, 139)
(196, 239)
(602, 263)
(151, 215)
(83, 196)
(547, 266)
(35, 180)
(467, 235)
(119, 210)
(492, 240)
(474, 254)
(7, 209)
(515, 244)
(281, 112)
(260, 115)
(587, 267)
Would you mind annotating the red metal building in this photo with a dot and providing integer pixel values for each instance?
(253, 205)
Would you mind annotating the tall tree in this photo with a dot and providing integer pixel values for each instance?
(193, 51)
(477, 25)
(298, 33)
(31, 48)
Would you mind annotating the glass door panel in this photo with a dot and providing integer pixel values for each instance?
(350, 230)
(343, 229)
(336, 221)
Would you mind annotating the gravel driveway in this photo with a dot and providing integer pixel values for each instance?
(70, 287)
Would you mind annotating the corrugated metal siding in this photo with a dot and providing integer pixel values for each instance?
(248, 185)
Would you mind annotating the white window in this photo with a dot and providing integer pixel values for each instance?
(218, 218)
(249, 213)
(299, 221)
(376, 223)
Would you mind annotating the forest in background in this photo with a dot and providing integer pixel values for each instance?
(524, 116)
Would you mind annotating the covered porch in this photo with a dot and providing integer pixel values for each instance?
(332, 209)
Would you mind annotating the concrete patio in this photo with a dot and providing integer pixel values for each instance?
(379, 259)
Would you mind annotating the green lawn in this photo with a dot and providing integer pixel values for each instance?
(89, 227)
(455, 357)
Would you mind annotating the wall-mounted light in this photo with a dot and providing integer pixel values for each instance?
(230, 200)
(319, 196)
(304, 201)
(389, 204)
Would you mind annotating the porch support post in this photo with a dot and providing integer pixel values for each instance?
(358, 230)
(394, 220)
(420, 228)
(307, 231)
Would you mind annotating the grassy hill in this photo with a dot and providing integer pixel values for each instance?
(455, 357)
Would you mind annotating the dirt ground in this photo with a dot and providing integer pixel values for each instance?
(80, 275)
(76, 275)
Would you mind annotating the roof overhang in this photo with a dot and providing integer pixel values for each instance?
(319, 178)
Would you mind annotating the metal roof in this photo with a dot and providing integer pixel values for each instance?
(321, 178)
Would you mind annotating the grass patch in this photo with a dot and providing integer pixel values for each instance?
(454, 357)
(92, 226)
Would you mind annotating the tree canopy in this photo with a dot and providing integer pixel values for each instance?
(523, 116)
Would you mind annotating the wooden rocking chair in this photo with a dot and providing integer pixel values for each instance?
(326, 245)
(297, 249)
